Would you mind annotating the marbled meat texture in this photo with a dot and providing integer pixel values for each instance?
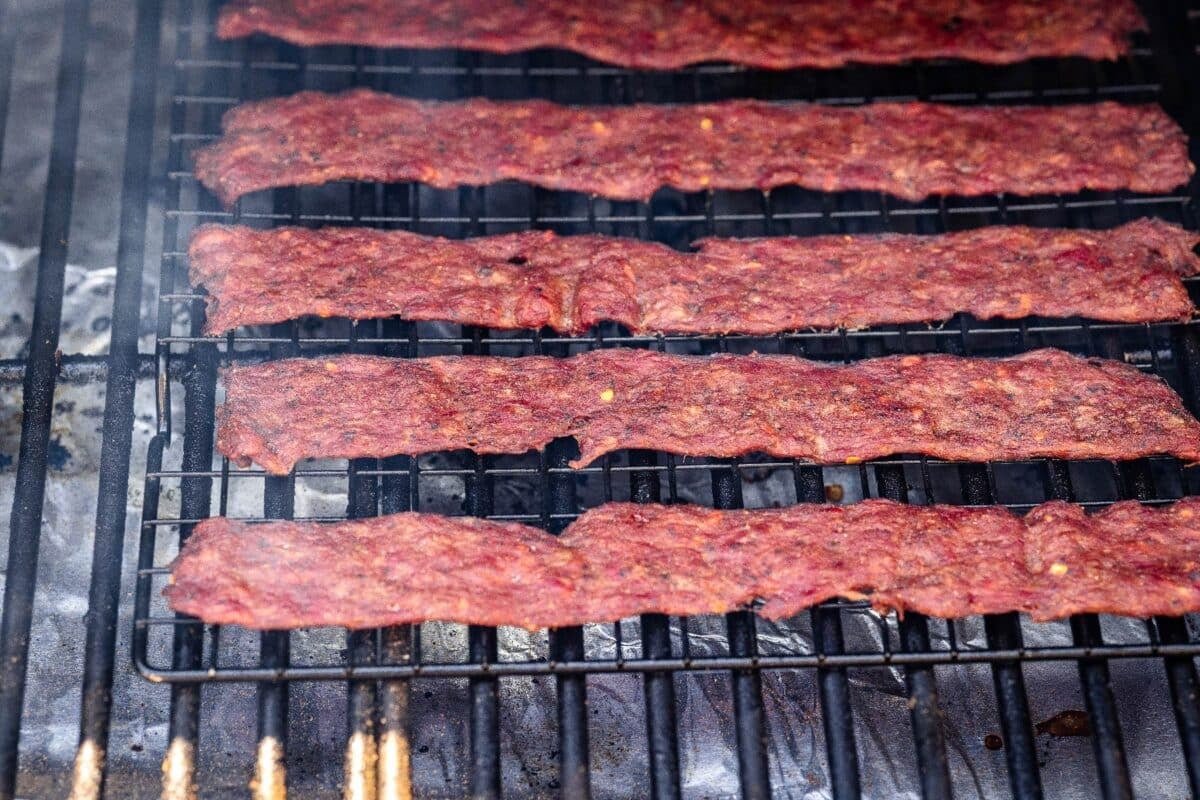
(537, 279)
(657, 35)
(1045, 403)
(623, 559)
(910, 150)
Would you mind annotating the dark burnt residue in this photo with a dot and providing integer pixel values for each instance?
(1069, 722)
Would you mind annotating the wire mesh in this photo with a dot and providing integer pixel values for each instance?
(211, 76)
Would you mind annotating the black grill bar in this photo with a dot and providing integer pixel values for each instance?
(566, 644)
(123, 371)
(1093, 674)
(748, 716)
(38, 398)
(270, 764)
(925, 711)
(658, 687)
(749, 724)
(1003, 632)
(360, 775)
(932, 763)
(1102, 712)
(837, 715)
(482, 649)
(1185, 697)
(1137, 481)
(199, 404)
(199, 386)
(397, 493)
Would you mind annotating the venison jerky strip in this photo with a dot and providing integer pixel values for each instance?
(623, 559)
(761, 33)
(1045, 403)
(536, 279)
(911, 150)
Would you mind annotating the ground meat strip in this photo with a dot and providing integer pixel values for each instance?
(623, 559)
(1045, 403)
(761, 33)
(536, 279)
(910, 150)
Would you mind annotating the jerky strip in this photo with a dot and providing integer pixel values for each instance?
(911, 150)
(1045, 403)
(623, 559)
(761, 33)
(537, 279)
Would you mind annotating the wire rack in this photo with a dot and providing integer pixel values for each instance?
(210, 77)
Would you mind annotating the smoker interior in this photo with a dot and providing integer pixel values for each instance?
(185, 482)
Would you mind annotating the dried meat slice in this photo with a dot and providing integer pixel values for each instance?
(761, 33)
(911, 150)
(537, 279)
(623, 559)
(1045, 403)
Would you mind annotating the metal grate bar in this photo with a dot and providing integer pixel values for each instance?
(270, 765)
(1181, 672)
(658, 687)
(1185, 697)
(124, 368)
(179, 766)
(1003, 632)
(199, 387)
(1102, 712)
(837, 714)
(1137, 480)
(279, 495)
(566, 644)
(482, 649)
(398, 493)
(749, 722)
(360, 775)
(38, 398)
(574, 780)
(1093, 674)
(480, 489)
(932, 762)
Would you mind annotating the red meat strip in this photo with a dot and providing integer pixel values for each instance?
(910, 150)
(762, 33)
(537, 279)
(623, 559)
(1045, 403)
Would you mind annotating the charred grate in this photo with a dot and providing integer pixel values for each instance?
(184, 484)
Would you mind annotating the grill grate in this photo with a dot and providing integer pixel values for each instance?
(211, 76)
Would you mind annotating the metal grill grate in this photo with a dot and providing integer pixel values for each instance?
(210, 77)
